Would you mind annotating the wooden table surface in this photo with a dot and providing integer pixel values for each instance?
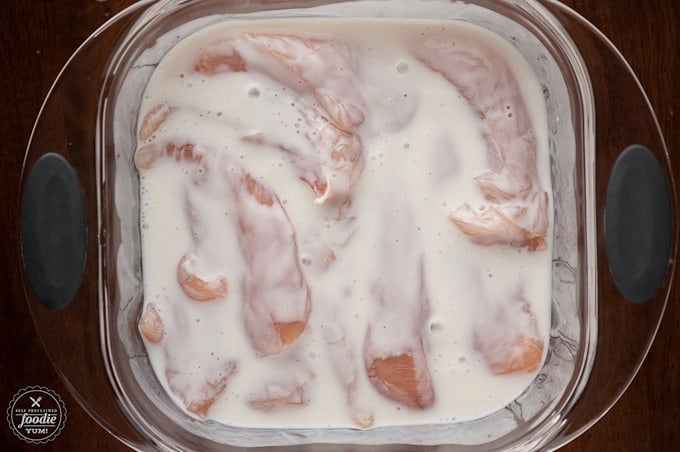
(37, 37)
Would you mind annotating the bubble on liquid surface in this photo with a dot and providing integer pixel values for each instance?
(402, 67)
(254, 92)
(436, 326)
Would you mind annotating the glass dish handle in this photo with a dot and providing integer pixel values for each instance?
(637, 229)
(60, 232)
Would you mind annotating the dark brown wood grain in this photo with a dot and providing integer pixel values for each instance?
(38, 36)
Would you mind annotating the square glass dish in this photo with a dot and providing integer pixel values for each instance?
(90, 121)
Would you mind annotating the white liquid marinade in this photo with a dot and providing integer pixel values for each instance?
(422, 145)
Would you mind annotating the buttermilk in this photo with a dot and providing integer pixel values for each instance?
(344, 225)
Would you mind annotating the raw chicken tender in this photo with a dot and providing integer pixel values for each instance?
(325, 70)
(517, 214)
(151, 325)
(322, 66)
(394, 355)
(286, 389)
(277, 298)
(332, 161)
(199, 399)
(196, 287)
(344, 364)
(507, 337)
(196, 386)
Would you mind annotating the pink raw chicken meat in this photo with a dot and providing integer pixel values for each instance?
(518, 211)
(322, 66)
(277, 298)
(287, 387)
(198, 281)
(197, 386)
(147, 154)
(344, 364)
(507, 336)
(275, 395)
(313, 66)
(333, 161)
(151, 324)
(152, 121)
(199, 398)
(196, 287)
(394, 354)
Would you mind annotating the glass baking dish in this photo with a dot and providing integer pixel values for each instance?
(88, 312)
